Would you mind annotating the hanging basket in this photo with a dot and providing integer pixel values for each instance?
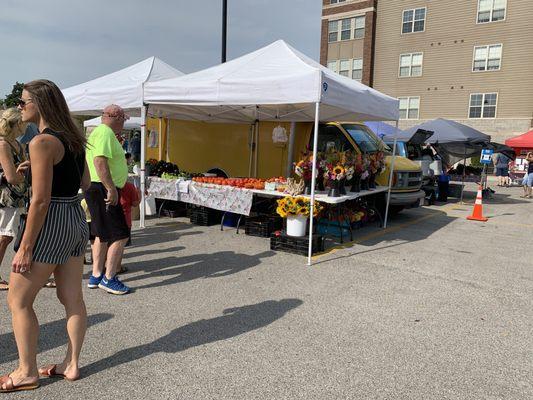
(296, 225)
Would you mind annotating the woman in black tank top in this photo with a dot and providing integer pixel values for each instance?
(55, 235)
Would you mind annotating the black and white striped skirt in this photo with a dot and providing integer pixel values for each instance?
(64, 233)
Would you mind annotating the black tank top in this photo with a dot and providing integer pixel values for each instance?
(68, 172)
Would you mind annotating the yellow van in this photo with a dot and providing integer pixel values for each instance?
(238, 150)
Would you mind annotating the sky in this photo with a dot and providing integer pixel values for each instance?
(71, 42)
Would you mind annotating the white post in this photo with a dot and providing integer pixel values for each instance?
(167, 158)
(143, 162)
(313, 183)
(160, 138)
(390, 175)
(290, 150)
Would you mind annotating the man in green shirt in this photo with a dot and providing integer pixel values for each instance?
(109, 172)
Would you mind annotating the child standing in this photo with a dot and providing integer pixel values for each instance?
(129, 197)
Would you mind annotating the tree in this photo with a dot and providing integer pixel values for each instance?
(12, 98)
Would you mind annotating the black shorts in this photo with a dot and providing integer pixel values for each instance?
(107, 222)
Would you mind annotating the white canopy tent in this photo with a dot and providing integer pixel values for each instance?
(124, 88)
(130, 124)
(274, 83)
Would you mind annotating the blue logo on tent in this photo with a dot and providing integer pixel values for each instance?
(325, 86)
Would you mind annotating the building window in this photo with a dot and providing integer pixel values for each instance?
(346, 29)
(487, 58)
(414, 20)
(409, 107)
(483, 105)
(333, 29)
(344, 67)
(336, 1)
(332, 65)
(352, 68)
(491, 10)
(357, 69)
(411, 64)
(359, 29)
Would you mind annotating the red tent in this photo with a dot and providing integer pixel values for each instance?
(521, 143)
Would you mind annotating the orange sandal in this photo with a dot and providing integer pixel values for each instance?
(10, 387)
(50, 372)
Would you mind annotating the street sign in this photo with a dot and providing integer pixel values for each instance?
(486, 156)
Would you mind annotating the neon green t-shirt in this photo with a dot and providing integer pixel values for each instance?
(103, 143)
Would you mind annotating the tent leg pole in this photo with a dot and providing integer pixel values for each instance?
(313, 183)
(390, 176)
(463, 181)
(143, 161)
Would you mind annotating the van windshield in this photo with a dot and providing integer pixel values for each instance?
(365, 139)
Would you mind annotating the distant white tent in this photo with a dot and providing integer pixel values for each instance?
(123, 87)
(130, 124)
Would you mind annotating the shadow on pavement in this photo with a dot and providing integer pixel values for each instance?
(187, 268)
(161, 233)
(51, 335)
(234, 322)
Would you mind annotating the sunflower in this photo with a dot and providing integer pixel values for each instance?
(338, 170)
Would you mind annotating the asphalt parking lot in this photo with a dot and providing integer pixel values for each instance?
(433, 307)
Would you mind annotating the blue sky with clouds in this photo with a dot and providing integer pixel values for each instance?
(71, 42)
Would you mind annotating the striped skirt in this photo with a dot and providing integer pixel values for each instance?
(64, 233)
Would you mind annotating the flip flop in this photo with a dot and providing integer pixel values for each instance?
(4, 285)
(50, 372)
(10, 387)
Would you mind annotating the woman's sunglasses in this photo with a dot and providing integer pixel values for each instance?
(22, 103)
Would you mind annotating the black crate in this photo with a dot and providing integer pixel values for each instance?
(203, 216)
(296, 245)
(262, 225)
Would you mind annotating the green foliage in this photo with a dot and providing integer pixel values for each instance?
(11, 99)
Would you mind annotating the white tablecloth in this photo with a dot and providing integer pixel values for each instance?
(229, 198)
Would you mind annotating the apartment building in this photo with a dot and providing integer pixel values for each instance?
(466, 60)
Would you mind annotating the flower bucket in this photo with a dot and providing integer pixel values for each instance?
(296, 225)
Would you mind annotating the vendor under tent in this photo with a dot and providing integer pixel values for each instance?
(124, 88)
(131, 124)
(274, 83)
(522, 143)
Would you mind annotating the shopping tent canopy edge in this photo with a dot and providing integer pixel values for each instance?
(523, 141)
(274, 83)
(123, 87)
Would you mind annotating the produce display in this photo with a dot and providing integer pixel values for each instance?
(158, 168)
(181, 175)
(245, 183)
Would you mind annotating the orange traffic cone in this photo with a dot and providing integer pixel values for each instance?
(477, 213)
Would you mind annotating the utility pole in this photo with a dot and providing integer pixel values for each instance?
(224, 28)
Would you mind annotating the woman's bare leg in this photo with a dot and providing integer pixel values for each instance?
(22, 293)
(4, 242)
(68, 280)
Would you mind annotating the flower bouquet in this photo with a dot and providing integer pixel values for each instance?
(304, 169)
(338, 167)
(376, 166)
(296, 210)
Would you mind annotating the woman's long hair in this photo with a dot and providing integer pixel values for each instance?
(54, 110)
(11, 124)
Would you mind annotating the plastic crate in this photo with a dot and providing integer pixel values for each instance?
(262, 225)
(203, 216)
(296, 245)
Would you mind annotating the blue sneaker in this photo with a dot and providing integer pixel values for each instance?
(94, 281)
(113, 286)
